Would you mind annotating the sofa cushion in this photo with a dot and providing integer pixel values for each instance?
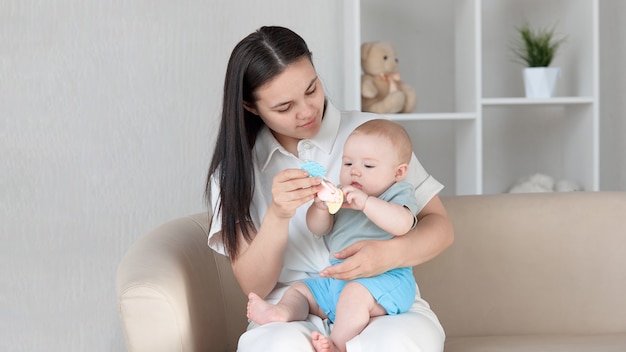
(526, 264)
(536, 343)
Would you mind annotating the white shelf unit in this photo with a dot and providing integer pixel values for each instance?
(473, 129)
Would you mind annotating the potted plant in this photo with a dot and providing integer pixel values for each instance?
(536, 50)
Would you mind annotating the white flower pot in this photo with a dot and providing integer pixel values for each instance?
(540, 82)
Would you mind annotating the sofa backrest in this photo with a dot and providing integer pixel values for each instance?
(531, 263)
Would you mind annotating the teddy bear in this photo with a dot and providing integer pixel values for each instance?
(382, 91)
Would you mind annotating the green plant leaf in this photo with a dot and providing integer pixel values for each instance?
(536, 47)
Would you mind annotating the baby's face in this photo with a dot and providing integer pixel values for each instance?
(369, 163)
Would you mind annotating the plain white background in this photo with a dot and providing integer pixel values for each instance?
(108, 111)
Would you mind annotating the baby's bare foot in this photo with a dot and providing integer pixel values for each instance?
(262, 312)
(322, 344)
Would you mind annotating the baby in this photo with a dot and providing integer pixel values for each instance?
(378, 205)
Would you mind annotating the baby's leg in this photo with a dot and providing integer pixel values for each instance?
(294, 305)
(355, 307)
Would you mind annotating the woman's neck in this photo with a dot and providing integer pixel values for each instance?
(290, 144)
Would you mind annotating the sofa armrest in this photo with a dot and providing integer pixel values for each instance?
(176, 294)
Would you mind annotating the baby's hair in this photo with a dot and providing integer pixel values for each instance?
(393, 132)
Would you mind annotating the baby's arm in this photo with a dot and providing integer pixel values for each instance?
(318, 219)
(391, 217)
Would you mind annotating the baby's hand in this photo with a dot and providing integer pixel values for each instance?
(319, 204)
(355, 198)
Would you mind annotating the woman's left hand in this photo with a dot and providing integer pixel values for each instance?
(431, 236)
(362, 259)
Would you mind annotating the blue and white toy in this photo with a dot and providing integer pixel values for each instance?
(332, 196)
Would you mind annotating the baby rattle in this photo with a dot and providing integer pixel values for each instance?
(331, 195)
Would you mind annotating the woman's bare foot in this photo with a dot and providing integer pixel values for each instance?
(322, 343)
(262, 312)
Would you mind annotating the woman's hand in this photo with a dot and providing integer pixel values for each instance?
(363, 259)
(431, 236)
(292, 188)
(260, 261)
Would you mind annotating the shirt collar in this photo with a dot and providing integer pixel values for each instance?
(266, 144)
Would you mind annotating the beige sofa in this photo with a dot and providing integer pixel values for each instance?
(527, 272)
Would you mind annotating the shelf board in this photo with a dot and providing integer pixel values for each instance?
(441, 116)
(528, 101)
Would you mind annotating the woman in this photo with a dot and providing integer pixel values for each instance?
(274, 116)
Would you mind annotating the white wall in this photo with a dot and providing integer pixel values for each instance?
(107, 111)
(613, 92)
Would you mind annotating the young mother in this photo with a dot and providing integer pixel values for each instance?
(274, 116)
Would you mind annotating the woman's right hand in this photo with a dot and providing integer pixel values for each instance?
(260, 261)
(292, 188)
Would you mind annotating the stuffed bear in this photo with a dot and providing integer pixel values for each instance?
(382, 91)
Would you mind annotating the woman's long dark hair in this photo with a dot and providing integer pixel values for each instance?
(254, 61)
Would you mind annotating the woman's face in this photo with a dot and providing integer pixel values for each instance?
(292, 104)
